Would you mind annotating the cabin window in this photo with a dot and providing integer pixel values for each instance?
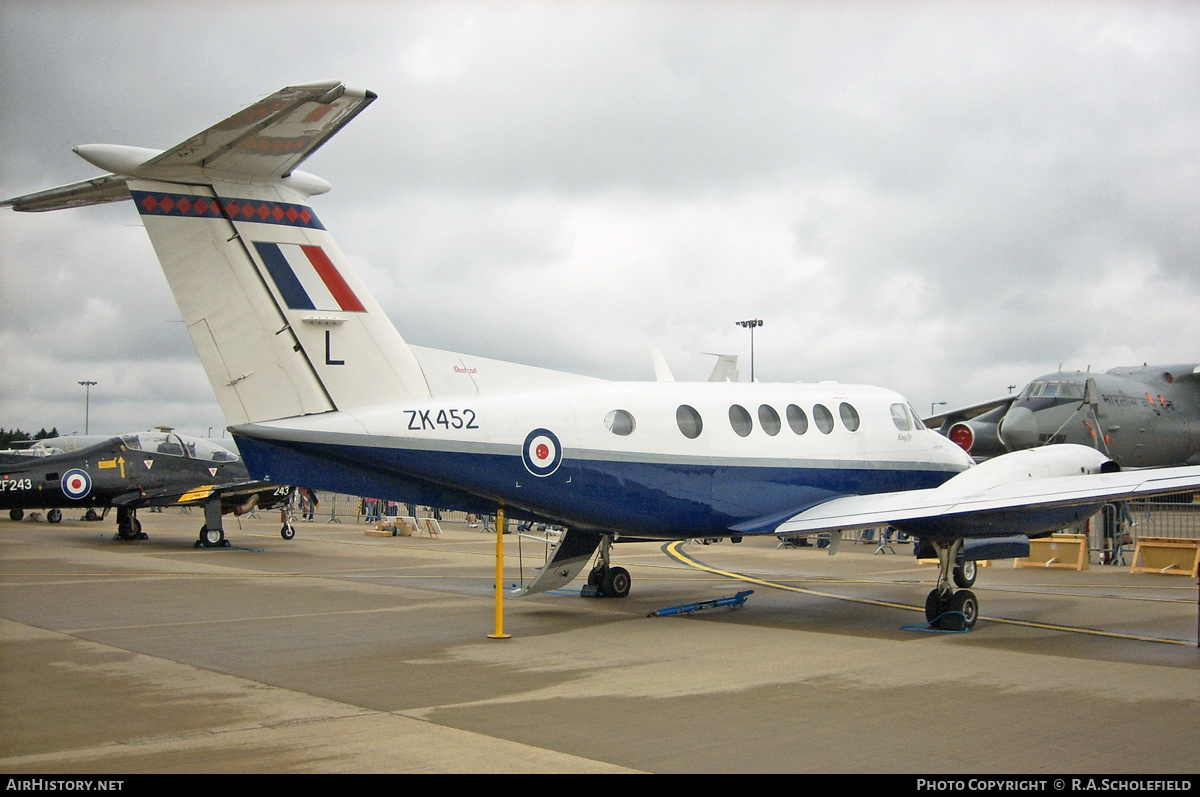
(900, 418)
(797, 419)
(849, 416)
(689, 421)
(620, 422)
(823, 418)
(768, 419)
(740, 420)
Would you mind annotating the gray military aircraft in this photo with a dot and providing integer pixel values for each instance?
(1140, 416)
(145, 469)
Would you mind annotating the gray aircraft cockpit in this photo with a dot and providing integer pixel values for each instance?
(1053, 389)
(162, 441)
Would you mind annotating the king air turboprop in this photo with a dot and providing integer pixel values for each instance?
(1140, 416)
(320, 389)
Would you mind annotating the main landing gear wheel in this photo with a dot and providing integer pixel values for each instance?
(604, 580)
(211, 538)
(16, 514)
(128, 526)
(965, 573)
(54, 516)
(952, 611)
(616, 582)
(965, 603)
(945, 608)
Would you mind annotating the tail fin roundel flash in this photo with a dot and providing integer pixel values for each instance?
(283, 325)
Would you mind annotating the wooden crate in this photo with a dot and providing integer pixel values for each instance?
(1064, 551)
(1168, 555)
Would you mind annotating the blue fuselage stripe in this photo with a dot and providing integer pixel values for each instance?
(658, 500)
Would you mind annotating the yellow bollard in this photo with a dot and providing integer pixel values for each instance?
(499, 632)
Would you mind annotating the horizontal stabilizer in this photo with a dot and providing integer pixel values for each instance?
(96, 191)
(265, 141)
(262, 143)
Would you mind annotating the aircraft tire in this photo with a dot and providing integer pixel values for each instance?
(934, 606)
(211, 538)
(16, 514)
(616, 582)
(965, 602)
(54, 516)
(287, 532)
(965, 574)
(130, 530)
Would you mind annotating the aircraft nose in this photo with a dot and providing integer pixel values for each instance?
(1018, 429)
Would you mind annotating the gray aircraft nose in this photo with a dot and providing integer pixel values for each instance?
(1018, 429)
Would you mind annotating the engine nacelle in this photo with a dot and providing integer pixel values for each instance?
(980, 439)
(1064, 459)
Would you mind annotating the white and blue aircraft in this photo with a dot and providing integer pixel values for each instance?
(320, 389)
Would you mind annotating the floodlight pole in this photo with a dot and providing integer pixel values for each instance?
(87, 403)
(751, 324)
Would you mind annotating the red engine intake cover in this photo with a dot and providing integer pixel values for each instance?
(962, 436)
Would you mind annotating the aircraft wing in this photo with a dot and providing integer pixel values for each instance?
(1028, 506)
(1192, 376)
(248, 495)
(229, 494)
(947, 419)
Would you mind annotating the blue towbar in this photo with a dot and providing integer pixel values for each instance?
(687, 608)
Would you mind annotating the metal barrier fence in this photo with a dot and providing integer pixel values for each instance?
(1166, 519)
(1114, 532)
(339, 508)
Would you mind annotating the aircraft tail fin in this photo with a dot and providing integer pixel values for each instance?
(725, 369)
(662, 371)
(283, 325)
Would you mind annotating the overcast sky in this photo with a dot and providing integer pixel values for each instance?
(941, 198)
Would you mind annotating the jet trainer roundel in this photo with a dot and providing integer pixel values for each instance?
(319, 388)
(132, 472)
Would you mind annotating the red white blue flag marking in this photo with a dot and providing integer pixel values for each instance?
(306, 278)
